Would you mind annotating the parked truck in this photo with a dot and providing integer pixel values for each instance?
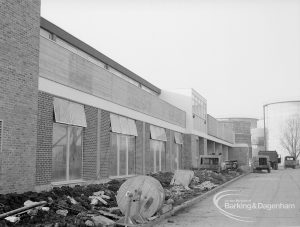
(261, 162)
(210, 162)
(290, 161)
(273, 156)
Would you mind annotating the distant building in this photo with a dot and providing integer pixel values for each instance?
(275, 116)
(242, 129)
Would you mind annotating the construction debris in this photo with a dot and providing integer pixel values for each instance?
(13, 219)
(62, 212)
(206, 185)
(182, 177)
(74, 206)
(102, 221)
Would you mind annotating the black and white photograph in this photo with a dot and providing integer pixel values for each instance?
(143, 113)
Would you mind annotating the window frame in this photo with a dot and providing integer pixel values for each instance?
(178, 153)
(67, 176)
(118, 139)
(160, 154)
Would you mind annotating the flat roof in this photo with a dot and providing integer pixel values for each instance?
(280, 102)
(47, 25)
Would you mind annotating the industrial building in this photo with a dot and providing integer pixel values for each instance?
(276, 115)
(71, 115)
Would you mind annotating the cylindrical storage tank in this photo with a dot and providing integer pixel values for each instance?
(276, 116)
(151, 199)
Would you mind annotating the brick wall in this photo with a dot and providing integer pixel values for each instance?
(1, 125)
(19, 70)
(139, 148)
(187, 155)
(44, 139)
(104, 144)
(90, 144)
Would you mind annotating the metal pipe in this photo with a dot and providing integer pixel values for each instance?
(265, 139)
(16, 211)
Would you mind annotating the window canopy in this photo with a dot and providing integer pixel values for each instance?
(123, 125)
(178, 138)
(157, 133)
(70, 113)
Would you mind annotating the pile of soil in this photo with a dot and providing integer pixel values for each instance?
(59, 199)
(163, 177)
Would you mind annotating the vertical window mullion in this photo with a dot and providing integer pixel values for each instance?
(68, 154)
(160, 156)
(118, 154)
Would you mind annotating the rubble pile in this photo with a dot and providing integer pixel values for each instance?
(206, 185)
(164, 178)
(67, 206)
(96, 204)
(208, 175)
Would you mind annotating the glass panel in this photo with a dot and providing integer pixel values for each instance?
(150, 156)
(113, 155)
(163, 155)
(75, 156)
(158, 151)
(157, 159)
(179, 156)
(132, 127)
(175, 157)
(59, 152)
(131, 155)
(122, 152)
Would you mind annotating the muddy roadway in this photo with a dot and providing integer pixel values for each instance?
(258, 199)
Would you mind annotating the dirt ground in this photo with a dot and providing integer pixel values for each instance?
(59, 199)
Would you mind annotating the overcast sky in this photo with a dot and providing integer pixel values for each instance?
(238, 54)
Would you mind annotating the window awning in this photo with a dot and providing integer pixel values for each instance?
(157, 133)
(178, 138)
(123, 125)
(70, 113)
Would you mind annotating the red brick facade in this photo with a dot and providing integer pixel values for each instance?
(90, 134)
(19, 71)
(44, 139)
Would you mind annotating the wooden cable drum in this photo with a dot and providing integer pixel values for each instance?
(151, 199)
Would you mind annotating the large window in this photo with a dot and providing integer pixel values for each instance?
(66, 153)
(123, 155)
(158, 140)
(122, 145)
(177, 155)
(158, 155)
(67, 140)
(177, 151)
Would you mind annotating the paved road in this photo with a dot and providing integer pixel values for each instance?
(263, 200)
